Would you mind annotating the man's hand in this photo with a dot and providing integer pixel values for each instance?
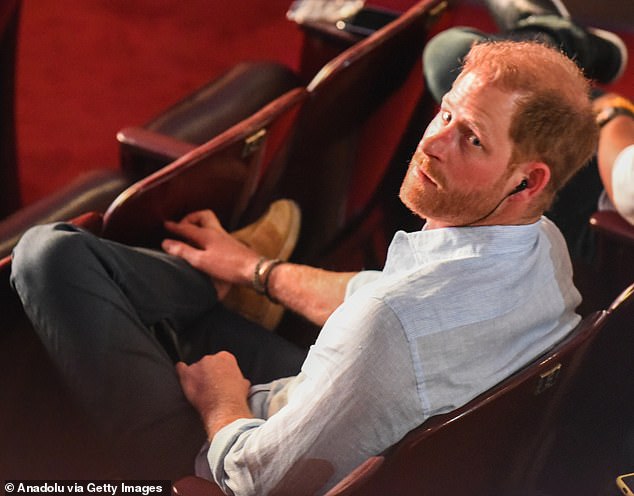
(207, 247)
(216, 387)
(311, 292)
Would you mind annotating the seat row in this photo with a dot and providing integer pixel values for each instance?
(325, 144)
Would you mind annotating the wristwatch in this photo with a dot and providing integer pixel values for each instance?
(613, 107)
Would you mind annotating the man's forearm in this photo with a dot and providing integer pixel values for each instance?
(615, 136)
(216, 419)
(216, 388)
(311, 292)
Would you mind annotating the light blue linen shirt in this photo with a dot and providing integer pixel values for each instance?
(454, 311)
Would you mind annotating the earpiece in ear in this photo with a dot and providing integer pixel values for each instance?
(520, 187)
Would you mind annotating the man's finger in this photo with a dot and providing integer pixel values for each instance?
(190, 232)
(181, 370)
(203, 218)
(181, 250)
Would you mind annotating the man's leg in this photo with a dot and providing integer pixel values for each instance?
(95, 304)
(507, 13)
(263, 356)
(602, 55)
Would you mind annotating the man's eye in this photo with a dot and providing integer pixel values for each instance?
(475, 141)
(445, 116)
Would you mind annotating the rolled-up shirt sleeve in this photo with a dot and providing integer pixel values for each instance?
(356, 396)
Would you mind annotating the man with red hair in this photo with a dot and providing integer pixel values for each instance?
(482, 290)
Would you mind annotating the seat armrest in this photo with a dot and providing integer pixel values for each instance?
(93, 191)
(91, 221)
(613, 263)
(207, 112)
(611, 224)
(195, 486)
(143, 151)
(356, 480)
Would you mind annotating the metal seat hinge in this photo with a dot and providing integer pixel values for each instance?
(253, 143)
(547, 379)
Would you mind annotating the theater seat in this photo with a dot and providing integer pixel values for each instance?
(594, 439)
(92, 191)
(228, 99)
(235, 99)
(615, 250)
(221, 175)
(611, 268)
(341, 150)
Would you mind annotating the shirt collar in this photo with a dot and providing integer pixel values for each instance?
(410, 250)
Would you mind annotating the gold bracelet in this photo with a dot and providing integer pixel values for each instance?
(614, 107)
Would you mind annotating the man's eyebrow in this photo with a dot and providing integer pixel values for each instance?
(477, 126)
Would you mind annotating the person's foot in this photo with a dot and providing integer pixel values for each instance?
(602, 55)
(507, 13)
(274, 236)
(609, 55)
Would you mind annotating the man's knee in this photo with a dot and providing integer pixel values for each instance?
(44, 252)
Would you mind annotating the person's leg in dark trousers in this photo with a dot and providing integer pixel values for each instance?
(97, 306)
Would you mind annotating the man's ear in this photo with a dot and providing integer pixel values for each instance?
(537, 177)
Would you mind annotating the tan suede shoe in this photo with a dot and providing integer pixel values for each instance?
(273, 235)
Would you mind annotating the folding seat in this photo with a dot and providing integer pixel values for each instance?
(233, 96)
(356, 124)
(221, 175)
(95, 189)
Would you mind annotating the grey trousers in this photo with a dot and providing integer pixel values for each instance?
(114, 319)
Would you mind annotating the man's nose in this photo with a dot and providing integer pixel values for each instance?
(436, 141)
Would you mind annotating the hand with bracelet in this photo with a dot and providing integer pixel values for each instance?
(208, 247)
(311, 292)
